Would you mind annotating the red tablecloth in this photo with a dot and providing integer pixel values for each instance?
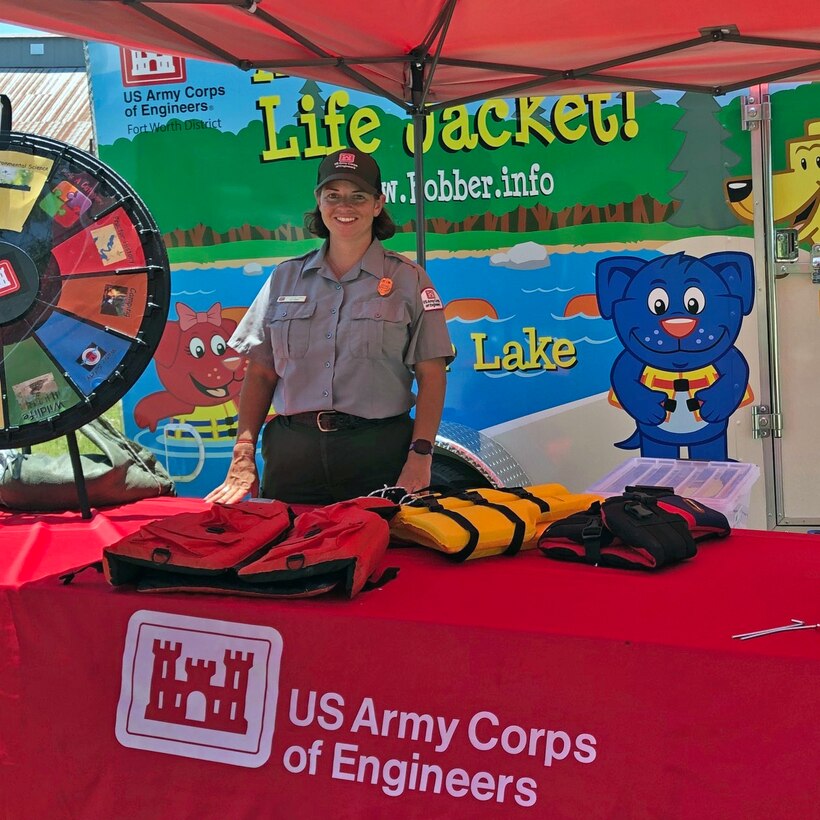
(501, 687)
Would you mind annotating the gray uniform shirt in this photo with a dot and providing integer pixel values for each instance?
(340, 345)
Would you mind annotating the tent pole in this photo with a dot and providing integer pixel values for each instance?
(417, 95)
(418, 185)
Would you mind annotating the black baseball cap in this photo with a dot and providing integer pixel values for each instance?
(352, 165)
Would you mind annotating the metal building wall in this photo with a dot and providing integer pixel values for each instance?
(49, 92)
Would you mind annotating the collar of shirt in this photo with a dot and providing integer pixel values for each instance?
(372, 262)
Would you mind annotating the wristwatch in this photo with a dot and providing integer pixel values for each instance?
(421, 446)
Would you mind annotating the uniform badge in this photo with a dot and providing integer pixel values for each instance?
(430, 300)
(287, 299)
(385, 286)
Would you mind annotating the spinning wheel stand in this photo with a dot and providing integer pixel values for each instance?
(84, 290)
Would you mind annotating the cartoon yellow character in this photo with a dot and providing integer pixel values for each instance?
(795, 192)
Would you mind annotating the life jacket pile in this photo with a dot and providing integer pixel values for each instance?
(467, 524)
(258, 549)
(644, 528)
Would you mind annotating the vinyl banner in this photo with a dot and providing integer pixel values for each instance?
(532, 206)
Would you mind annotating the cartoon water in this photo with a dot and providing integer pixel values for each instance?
(540, 345)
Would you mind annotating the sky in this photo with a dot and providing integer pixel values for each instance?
(9, 29)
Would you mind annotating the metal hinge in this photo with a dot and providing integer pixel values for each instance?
(755, 110)
(765, 423)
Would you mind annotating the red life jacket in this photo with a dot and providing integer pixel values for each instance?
(338, 545)
(254, 548)
(201, 543)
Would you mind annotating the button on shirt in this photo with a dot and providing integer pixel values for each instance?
(338, 344)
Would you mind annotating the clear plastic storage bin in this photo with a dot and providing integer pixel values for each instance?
(723, 485)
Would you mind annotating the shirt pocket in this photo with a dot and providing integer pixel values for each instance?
(290, 331)
(378, 329)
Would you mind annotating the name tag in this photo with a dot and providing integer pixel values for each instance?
(292, 299)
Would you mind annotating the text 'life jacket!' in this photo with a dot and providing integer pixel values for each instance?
(645, 528)
(254, 548)
(478, 523)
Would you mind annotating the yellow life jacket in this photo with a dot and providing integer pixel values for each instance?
(212, 423)
(665, 381)
(483, 522)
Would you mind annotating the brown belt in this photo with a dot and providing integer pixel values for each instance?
(329, 421)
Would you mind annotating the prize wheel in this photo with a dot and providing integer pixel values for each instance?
(84, 288)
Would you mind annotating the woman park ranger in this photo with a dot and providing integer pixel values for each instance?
(335, 339)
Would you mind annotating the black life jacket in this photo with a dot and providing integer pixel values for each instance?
(645, 528)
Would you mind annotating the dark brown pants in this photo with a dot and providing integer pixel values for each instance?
(303, 465)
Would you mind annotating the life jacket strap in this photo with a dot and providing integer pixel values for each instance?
(519, 525)
(525, 494)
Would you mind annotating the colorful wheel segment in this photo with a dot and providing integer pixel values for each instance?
(84, 288)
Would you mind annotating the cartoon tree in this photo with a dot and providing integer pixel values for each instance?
(313, 89)
(704, 162)
(644, 98)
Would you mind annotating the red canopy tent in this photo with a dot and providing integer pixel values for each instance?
(427, 54)
(436, 52)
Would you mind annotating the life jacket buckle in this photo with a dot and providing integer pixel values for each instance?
(637, 510)
(593, 529)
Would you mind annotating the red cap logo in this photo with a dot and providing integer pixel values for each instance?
(347, 158)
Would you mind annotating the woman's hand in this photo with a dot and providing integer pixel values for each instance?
(415, 474)
(242, 478)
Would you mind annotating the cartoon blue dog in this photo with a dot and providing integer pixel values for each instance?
(680, 376)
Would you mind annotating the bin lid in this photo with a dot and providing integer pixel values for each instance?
(703, 480)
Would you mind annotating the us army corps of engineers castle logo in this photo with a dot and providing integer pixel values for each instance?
(199, 688)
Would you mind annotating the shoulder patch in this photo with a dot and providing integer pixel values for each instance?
(430, 300)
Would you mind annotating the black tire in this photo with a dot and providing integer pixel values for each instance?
(448, 472)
